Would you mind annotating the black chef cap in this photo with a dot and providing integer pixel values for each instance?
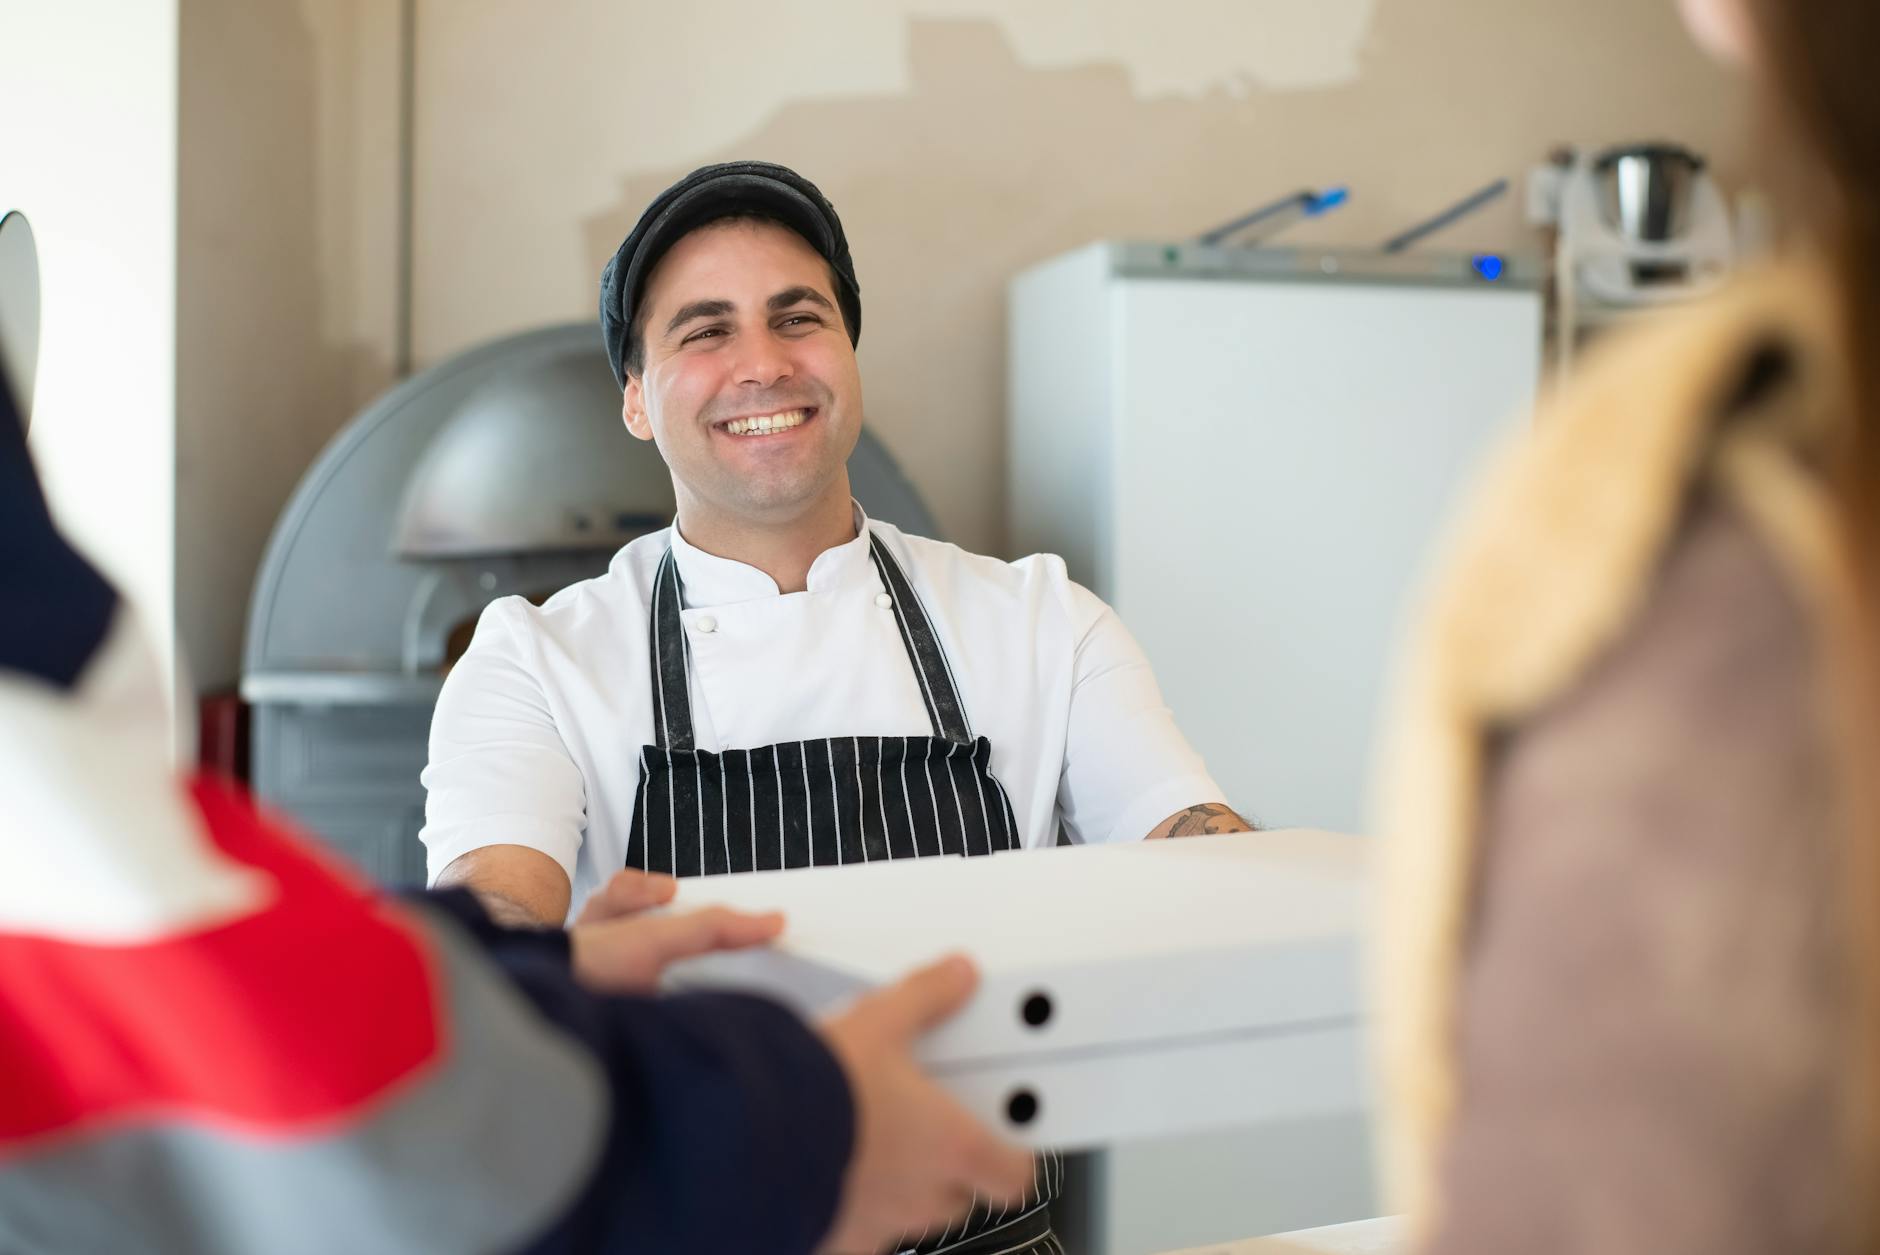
(706, 195)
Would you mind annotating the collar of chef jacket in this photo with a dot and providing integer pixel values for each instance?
(714, 581)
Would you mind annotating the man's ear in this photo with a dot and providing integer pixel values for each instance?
(633, 409)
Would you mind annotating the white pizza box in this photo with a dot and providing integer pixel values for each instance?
(1130, 991)
(1386, 1235)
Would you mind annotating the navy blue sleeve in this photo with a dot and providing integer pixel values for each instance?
(58, 607)
(732, 1123)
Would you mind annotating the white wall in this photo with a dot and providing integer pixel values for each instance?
(88, 150)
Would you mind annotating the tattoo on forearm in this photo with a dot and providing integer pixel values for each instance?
(1203, 820)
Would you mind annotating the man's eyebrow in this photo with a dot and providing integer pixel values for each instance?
(796, 296)
(699, 309)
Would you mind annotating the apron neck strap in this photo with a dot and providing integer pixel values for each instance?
(671, 655)
(672, 660)
(937, 687)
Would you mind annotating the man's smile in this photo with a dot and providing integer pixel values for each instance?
(773, 424)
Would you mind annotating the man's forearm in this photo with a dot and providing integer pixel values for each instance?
(1203, 820)
(512, 912)
(518, 886)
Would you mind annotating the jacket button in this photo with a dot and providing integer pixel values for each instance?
(883, 600)
(705, 623)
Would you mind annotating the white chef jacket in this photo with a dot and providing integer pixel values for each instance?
(537, 734)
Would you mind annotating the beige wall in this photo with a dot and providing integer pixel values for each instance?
(961, 139)
(287, 173)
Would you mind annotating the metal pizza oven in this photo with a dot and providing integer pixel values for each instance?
(505, 470)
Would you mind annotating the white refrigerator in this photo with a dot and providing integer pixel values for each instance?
(1249, 453)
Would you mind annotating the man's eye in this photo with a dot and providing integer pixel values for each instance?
(702, 333)
(800, 320)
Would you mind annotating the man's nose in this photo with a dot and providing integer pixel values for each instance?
(763, 360)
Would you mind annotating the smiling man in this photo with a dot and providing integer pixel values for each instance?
(776, 680)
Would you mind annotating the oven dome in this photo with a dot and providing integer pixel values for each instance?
(534, 459)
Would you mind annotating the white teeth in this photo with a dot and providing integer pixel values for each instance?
(765, 424)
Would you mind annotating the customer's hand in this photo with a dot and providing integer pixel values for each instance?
(920, 1159)
(617, 948)
(627, 892)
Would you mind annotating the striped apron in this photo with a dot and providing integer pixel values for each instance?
(835, 800)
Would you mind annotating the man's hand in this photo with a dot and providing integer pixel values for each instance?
(920, 1160)
(617, 948)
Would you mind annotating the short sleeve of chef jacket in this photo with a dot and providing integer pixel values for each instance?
(499, 773)
(1127, 767)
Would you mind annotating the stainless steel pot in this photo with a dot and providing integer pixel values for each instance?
(1646, 190)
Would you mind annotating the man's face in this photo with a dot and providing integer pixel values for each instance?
(749, 386)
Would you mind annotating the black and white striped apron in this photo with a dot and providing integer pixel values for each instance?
(833, 800)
